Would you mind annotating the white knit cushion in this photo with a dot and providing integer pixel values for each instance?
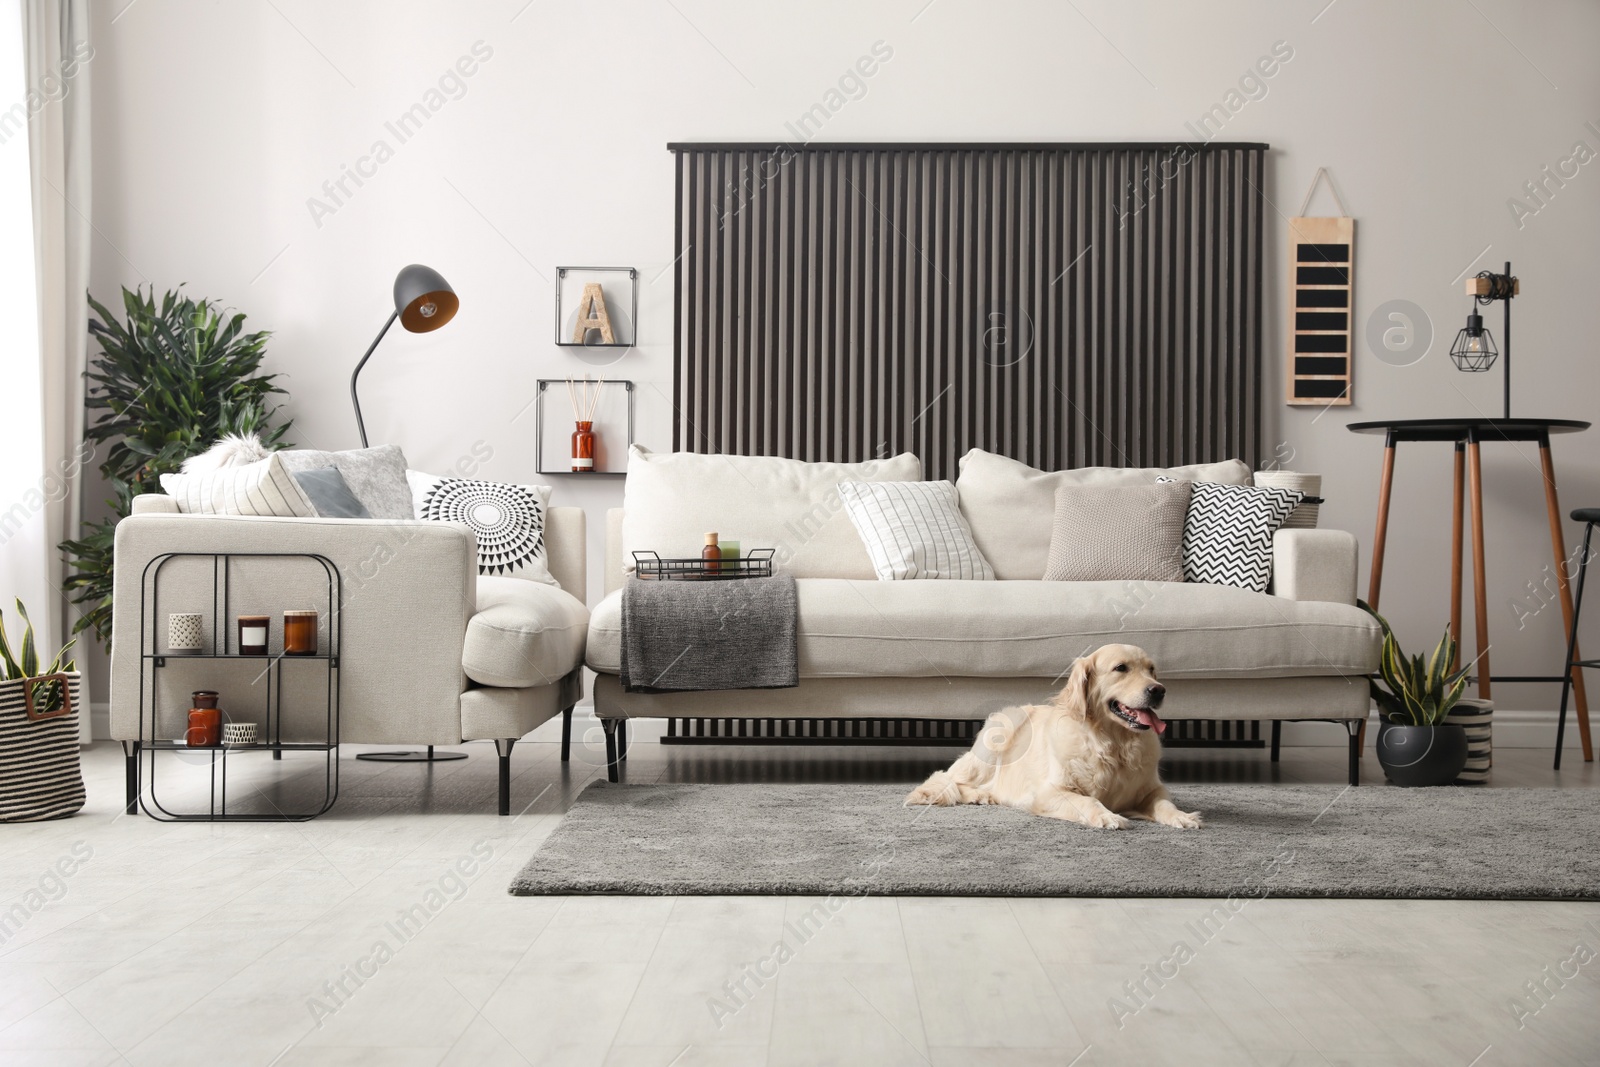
(1112, 533)
(914, 530)
(260, 488)
(508, 520)
(1227, 539)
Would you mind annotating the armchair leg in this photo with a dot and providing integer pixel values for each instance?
(1355, 730)
(566, 735)
(502, 746)
(1277, 734)
(130, 752)
(610, 727)
(622, 740)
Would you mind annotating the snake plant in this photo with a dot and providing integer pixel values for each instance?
(26, 665)
(1418, 693)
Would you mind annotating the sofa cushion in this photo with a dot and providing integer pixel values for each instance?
(1011, 506)
(507, 520)
(524, 634)
(1109, 533)
(376, 475)
(672, 500)
(1035, 629)
(914, 530)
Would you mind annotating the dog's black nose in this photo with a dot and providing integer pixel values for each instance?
(1155, 694)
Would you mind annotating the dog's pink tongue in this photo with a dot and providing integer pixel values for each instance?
(1150, 719)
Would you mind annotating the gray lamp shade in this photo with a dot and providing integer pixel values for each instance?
(423, 299)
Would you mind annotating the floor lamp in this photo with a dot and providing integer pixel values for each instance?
(423, 302)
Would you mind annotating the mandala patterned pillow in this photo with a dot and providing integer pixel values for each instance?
(1227, 537)
(507, 519)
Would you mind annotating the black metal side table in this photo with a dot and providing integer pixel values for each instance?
(1467, 434)
(142, 782)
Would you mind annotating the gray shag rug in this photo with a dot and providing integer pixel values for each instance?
(1259, 840)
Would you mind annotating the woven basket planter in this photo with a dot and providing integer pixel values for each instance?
(1477, 718)
(40, 777)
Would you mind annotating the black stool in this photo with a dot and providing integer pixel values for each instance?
(1590, 517)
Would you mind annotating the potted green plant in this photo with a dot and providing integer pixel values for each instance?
(38, 731)
(1415, 746)
(172, 376)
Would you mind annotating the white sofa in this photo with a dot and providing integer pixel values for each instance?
(957, 650)
(431, 653)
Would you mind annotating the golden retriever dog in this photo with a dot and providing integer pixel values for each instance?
(1089, 756)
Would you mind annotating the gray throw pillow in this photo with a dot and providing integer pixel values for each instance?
(377, 476)
(330, 495)
(1107, 533)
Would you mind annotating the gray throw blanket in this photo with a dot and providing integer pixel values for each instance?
(686, 636)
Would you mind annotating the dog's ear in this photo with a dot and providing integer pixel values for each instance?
(1074, 697)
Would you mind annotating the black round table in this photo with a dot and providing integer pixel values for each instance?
(1467, 434)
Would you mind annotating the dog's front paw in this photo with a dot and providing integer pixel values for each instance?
(1105, 819)
(1183, 820)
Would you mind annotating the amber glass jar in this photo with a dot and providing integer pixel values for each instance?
(583, 448)
(299, 633)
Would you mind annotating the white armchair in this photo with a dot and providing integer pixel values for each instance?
(430, 652)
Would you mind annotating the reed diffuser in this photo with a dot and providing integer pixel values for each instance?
(584, 399)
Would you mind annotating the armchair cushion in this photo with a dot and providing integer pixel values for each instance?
(524, 634)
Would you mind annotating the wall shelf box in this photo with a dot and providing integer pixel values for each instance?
(608, 424)
(620, 288)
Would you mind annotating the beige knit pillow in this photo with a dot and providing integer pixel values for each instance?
(1107, 533)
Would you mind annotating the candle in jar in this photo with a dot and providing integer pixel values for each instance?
(300, 633)
(253, 634)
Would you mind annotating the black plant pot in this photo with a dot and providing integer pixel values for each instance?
(1421, 755)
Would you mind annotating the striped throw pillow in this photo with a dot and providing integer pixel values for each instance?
(914, 530)
(259, 488)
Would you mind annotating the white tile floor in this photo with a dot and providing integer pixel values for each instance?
(260, 944)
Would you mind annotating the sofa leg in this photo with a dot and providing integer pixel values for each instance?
(130, 752)
(610, 727)
(1355, 731)
(1277, 735)
(502, 746)
(622, 740)
(566, 735)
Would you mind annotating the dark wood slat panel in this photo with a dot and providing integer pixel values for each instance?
(1063, 304)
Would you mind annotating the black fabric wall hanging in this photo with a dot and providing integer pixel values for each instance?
(1062, 304)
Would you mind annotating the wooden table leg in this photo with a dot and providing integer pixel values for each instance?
(1558, 545)
(1375, 583)
(1479, 579)
(1455, 554)
(1379, 535)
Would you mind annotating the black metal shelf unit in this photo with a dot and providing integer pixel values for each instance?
(143, 761)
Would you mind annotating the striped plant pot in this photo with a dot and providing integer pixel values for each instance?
(1476, 717)
(1303, 517)
(40, 777)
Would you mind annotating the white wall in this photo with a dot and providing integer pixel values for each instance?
(217, 122)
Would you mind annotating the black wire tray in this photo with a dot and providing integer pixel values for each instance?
(757, 563)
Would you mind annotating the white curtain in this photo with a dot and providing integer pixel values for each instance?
(54, 104)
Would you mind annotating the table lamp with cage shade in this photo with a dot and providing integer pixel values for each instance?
(1474, 349)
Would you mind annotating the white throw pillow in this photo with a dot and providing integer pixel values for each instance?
(914, 530)
(1227, 537)
(1011, 506)
(508, 520)
(260, 488)
(673, 499)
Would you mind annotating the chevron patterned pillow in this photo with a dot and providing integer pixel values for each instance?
(1227, 537)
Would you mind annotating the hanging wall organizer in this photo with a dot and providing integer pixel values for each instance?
(1322, 253)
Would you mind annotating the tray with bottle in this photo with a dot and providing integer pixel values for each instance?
(757, 563)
